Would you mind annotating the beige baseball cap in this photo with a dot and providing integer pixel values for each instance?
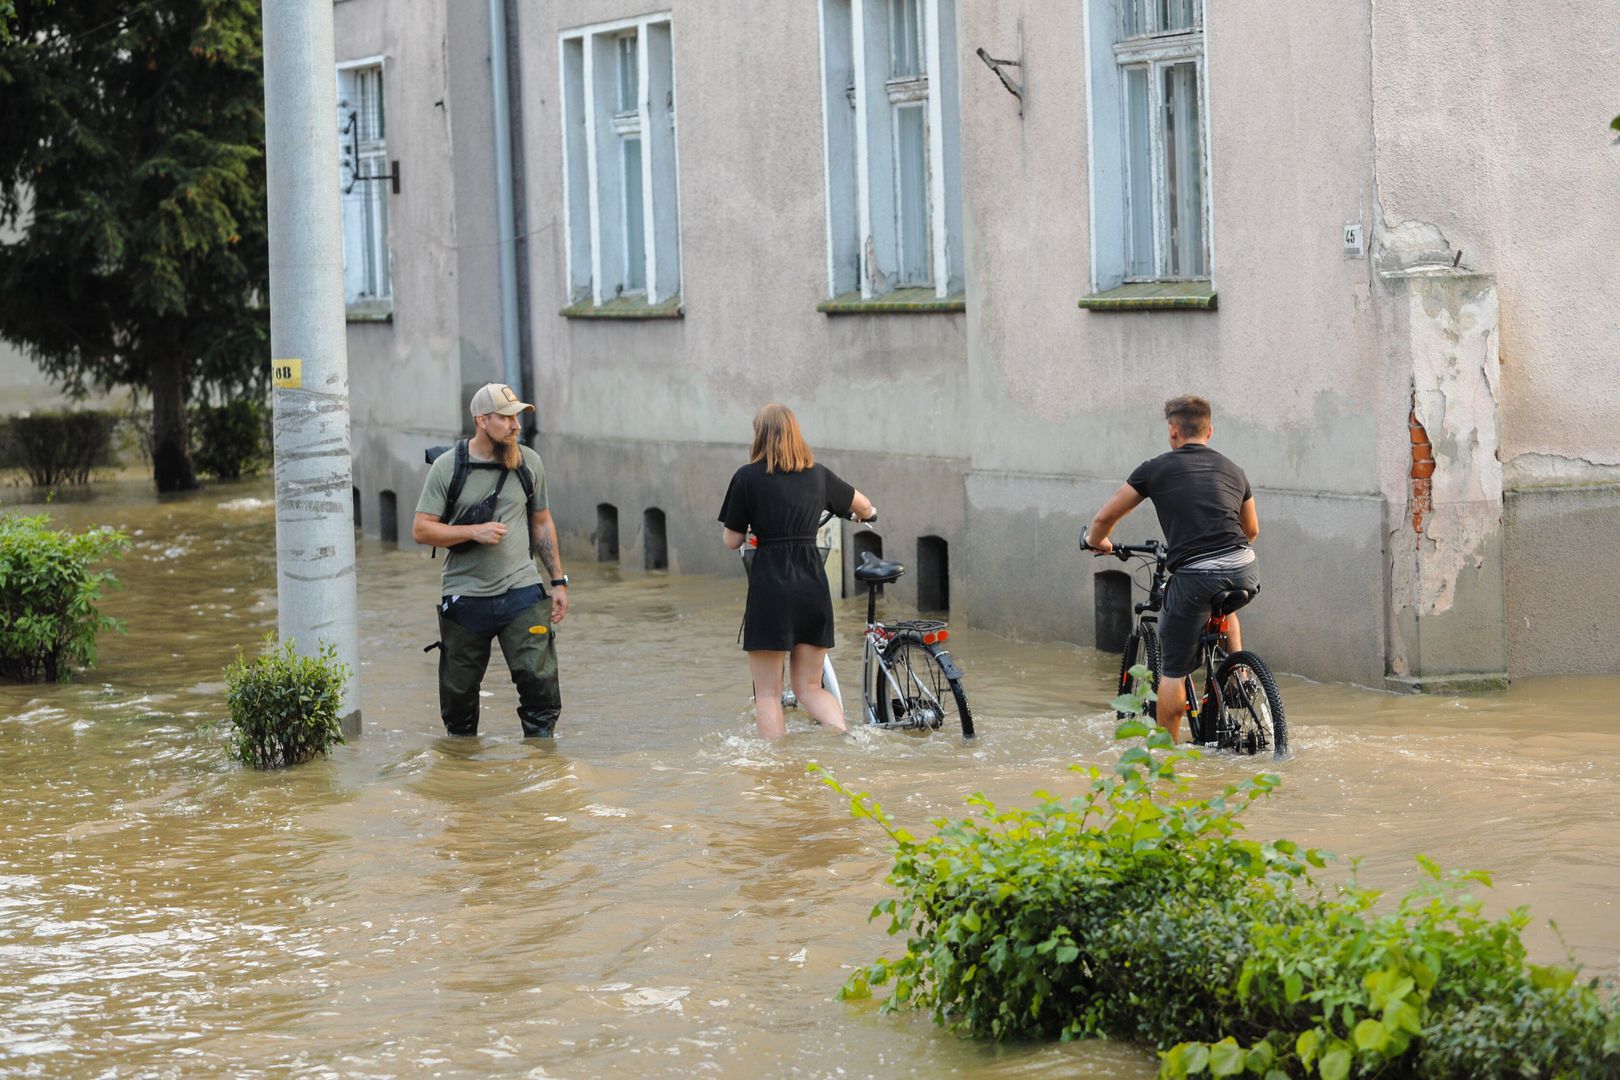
(498, 398)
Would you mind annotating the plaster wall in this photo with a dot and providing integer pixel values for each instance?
(921, 497)
(1491, 133)
(1286, 358)
(753, 266)
(410, 377)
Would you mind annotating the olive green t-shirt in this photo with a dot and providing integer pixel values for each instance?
(487, 569)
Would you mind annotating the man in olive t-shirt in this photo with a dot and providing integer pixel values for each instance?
(1207, 513)
(491, 589)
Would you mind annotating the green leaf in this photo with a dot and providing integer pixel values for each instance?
(1293, 987)
(1335, 1063)
(1129, 729)
(970, 920)
(1066, 954)
(1371, 1035)
(1615, 124)
(1226, 1058)
(1305, 1046)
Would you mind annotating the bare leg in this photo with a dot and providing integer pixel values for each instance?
(1234, 634)
(1172, 704)
(819, 703)
(766, 669)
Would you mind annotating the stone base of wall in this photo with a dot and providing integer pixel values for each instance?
(1563, 586)
(1320, 611)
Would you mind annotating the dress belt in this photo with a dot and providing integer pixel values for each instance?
(764, 540)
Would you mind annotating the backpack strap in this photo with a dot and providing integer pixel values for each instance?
(458, 480)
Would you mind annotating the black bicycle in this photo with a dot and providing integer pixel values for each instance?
(1240, 708)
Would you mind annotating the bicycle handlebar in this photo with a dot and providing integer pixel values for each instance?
(1121, 552)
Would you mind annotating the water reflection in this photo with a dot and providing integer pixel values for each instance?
(659, 892)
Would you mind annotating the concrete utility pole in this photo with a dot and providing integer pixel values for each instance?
(315, 586)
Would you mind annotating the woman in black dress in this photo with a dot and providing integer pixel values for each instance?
(780, 495)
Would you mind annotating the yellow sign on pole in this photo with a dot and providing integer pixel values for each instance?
(287, 374)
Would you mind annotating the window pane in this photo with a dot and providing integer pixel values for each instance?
(1184, 181)
(1177, 15)
(1134, 15)
(905, 38)
(911, 165)
(635, 236)
(1139, 174)
(629, 73)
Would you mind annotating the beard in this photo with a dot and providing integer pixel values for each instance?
(511, 455)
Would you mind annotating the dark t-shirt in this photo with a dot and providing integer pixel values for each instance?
(782, 504)
(1197, 493)
(788, 599)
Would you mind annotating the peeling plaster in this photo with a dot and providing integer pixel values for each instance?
(1456, 406)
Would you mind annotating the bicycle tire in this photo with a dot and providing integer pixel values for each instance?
(931, 692)
(1142, 647)
(1253, 706)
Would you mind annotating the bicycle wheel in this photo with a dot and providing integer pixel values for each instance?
(1255, 722)
(930, 695)
(1142, 647)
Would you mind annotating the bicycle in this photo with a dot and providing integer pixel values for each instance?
(908, 680)
(1240, 708)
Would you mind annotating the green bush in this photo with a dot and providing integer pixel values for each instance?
(229, 441)
(1139, 912)
(284, 707)
(48, 594)
(58, 447)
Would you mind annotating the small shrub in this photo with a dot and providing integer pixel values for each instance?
(48, 593)
(228, 441)
(1139, 912)
(59, 447)
(284, 707)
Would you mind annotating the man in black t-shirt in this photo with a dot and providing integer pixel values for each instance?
(1207, 513)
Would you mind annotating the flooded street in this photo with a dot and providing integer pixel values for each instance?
(659, 893)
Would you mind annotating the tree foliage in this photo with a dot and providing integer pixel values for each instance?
(132, 164)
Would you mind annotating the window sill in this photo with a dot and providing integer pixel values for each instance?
(1154, 296)
(898, 302)
(369, 311)
(626, 307)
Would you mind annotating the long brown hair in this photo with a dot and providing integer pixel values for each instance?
(778, 441)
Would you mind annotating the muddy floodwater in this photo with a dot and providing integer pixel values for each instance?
(658, 893)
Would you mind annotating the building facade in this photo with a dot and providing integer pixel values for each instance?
(976, 243)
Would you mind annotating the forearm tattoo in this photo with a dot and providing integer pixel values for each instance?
(545, 546)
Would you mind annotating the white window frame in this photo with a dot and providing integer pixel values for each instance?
(370, 281)
(1108, 56)
(865, 229)
(599, 248)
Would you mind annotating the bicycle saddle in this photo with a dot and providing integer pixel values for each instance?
(1224, 603)
(874, 571)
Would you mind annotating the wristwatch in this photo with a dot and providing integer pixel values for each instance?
(560, 582)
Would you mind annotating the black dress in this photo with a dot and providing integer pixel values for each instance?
(788, 599)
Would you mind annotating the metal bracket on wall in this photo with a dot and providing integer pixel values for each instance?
(1016, 89)
(351, 158)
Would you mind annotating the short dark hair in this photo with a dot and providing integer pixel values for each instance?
(1190, 413)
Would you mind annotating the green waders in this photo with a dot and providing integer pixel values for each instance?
(531, 657)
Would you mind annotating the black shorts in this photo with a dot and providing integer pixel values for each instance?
(1186, 610)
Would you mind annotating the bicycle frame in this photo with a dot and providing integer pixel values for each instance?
(1211, 642)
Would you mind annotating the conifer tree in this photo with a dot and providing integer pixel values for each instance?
(132, 172)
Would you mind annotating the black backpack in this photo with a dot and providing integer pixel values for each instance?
(458, 479)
